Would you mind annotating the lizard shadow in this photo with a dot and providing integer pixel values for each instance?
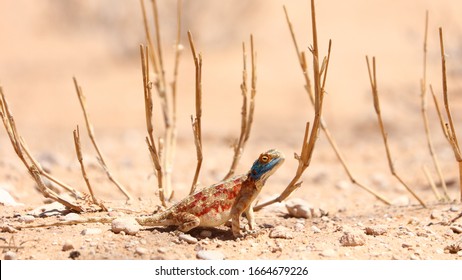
(215, 233)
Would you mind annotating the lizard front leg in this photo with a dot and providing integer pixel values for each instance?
(240, 206)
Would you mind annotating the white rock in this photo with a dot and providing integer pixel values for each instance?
(71, 217)
(352, 239)
(127, 225)
(8, 200)
(281, 232)
(47, 210)
(315, 229)
(299, 208)
(454, 208)
(299, 227)
(329, 253)
(210, 255)
(188, 238)
(91, 231)
(27, 219)
(141, 251)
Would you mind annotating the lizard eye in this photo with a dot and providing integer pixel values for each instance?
(264, 158)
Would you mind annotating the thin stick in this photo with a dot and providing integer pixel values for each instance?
(373, 81)
(423, 95)
(324, 127)
(91, 135)
(10, 127)
(78, 150)
(452, 135)
(310, 138)
(144, 53)
(247, 110)
(432, 183)
(154, 60)
(196, 121)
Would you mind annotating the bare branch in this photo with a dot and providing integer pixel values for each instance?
(91, 135)
(375, 95)
(308, 87)
(196, 121)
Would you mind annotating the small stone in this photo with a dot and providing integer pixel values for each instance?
(71, 217)
(315, 229)
(47, 210)
(210, 255)
(67, 246)
(299, 208)
(329, 253)
(435, 214)
(7, 228)
(343, 185)
(10, 255)
(414, 257)
(375, 230)
(127, 225)
(7, 199)
(74, 255)
(281, 232)
(162, 250)
(456, 229)
(402, 200)
(405, 245)
(206, 233)
(188, 238)
(454, 208)
(91, 231)
(141, 251)
(299, 227)
(27, 219)
(352, 239)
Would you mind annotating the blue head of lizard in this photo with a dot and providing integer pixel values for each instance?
(266, 164)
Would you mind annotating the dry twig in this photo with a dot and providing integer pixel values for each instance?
(308, 87)
(78, 150)
(375, 95)
(147, 86)
(26, 158)
(247, 110)
(423, 95)
(310, 138)
(196, 121)
(91, 135)
(448, 128)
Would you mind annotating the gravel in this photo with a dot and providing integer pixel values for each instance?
(281, 232)
(210, 255)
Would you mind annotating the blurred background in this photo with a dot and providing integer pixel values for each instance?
(43, 44)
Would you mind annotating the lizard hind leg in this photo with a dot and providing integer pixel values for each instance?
(186, 221)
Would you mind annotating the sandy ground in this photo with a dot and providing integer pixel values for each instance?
(45, 45)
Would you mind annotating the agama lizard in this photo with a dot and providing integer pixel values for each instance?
(214, 205)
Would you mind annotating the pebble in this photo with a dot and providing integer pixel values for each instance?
(91, 231)
(8, 200)
(210, 255)
(188, 238)
(435, 214)
(71, 217)
(299, 227)
(10, 255)
(329, 253)
(206, 233)
(375, 230)
(402, 200)
(27, 219)
(315, 229)
(352, 239)
(343, 185)
(456, 229)
(299, 208)
(128, 225)
(141, 251)
(414, 257)
(47, 210)
(162, 250)
(7, 228)
(67, 246)
(454, 208)
(281, 232)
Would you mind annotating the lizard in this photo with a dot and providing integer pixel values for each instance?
(211, 206)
